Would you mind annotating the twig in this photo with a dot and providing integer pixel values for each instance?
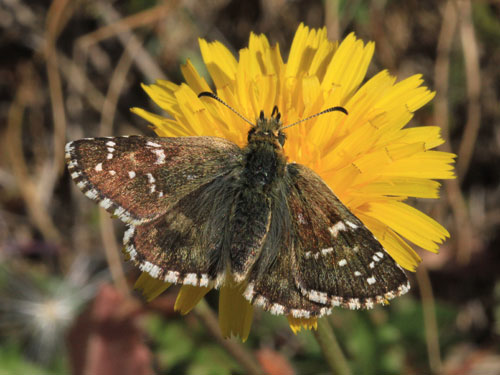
(13, 145)
(111, 251)
(114, 88)
(236, 350)
(473, 79)
(107, 119)
(430, 321)
(331, 349)
(49, 179)
(125, 24)
(146, 64)
(332, 19)
(441, 78)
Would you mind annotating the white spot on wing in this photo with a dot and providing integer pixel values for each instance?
(128, 234)
(160, 154)
(98, 167)
(260, 301)
(92, 194)
(336, 228)
(110, 144)
(342, 262)
(112, 172)
(299, 313)
(371, 280)
(249, 293)
(152, 144)
(354, 304)
(277, 309)
(172, 276)
(317, 296)
(204, 280)
(326, 251)
(191, 279)
(105, 203)
(352, 225)
(131, 174)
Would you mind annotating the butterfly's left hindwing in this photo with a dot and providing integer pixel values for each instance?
(339, 261)
(318, 255)
(139, 178)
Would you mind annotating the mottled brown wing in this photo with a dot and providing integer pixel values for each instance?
(139, 179)
(339, 261)
(184, 246)
(272, 280)
(318, 255)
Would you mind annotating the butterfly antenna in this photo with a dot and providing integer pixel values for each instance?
(332, 109)
(213, 96)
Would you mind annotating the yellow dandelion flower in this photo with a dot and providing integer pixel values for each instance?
(368, 158)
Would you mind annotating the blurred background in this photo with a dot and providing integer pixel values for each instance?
(71, 69)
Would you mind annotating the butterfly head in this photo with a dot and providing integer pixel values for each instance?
(268, 129)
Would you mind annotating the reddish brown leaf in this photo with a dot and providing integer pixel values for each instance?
(107, 340)
(274, 363)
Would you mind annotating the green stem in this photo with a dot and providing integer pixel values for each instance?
(331, 349)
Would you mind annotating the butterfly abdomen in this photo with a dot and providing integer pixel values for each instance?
(251, 214)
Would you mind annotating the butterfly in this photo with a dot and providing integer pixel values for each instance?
(201, 209)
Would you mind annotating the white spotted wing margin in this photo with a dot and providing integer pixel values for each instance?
(329, 259)
(339, 261)
(152, 184)
(139, 178)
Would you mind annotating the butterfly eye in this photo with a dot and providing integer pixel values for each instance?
(261, 115)
(250, 133)
(281, 138)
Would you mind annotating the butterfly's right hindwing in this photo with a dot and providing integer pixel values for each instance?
(139, 178)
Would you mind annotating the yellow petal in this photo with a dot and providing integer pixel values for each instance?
(347, 68)
(430, 135)
(220, 62)
(193, 79)
(296, 324)
(429, 164)
(188, 298)
(399, 250)
(409, 223)
(150, 287)
(399, 186)
(164, 97)
(235, 312)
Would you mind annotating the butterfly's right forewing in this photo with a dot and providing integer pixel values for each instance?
(184, 246)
